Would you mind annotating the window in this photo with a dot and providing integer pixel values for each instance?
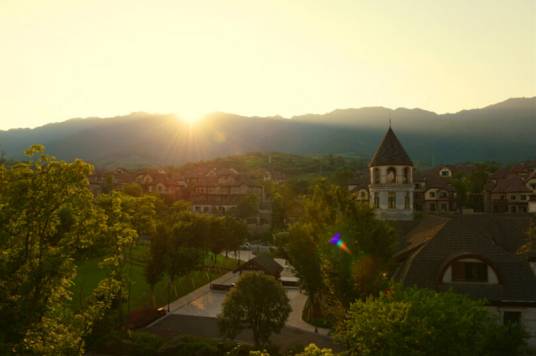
(444, 173)
(432, 194)
(511, 317)
(392, 200)
(406, 201)
(444, 207)
(406, 175)
(513, 209)
(376, 200)
(391, 175)
(469, 272)
(376, 174)
(513, 197)
(432, 207)
(443, 194)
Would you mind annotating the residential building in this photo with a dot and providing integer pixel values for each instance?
(476, 255)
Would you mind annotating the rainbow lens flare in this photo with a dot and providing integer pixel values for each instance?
(337, 241)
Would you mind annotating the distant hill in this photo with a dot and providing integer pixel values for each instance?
(504, 132)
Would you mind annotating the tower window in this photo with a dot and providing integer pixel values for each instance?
(376, 174)
(406, 175)
(391, 175)
(376, 200)
(392, 200)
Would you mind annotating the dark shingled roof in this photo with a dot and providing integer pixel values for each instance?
(263, 263)
(493, 238)
(390, 152)
(511, 184)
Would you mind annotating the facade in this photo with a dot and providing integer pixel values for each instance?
(512, 190)
(476, 255)
(391, 189)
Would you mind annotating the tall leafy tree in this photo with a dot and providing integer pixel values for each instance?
(49, 221)
(424, 322)
(258, 303)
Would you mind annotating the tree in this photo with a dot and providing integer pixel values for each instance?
(329, 210)
(133, 189)
(313, 350)
(304, 256)
(233, 233)
(247, 207)
(462, 185)
(423, 322)
(530, 243)
(258, 303)
(48, 222)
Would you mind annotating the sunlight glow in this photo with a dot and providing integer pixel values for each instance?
(259, 58)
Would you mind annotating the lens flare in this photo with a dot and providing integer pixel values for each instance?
(337, 241)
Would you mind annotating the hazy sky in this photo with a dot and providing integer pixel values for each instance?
(67, 58)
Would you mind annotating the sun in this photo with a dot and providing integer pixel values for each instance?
(190, 118)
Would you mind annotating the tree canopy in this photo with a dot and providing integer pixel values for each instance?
(258, 303)
(423, 322)
(49, 220)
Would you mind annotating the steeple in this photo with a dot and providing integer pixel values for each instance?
(390, 152)
(391, 180)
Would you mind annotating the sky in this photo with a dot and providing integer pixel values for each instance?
(63, 59)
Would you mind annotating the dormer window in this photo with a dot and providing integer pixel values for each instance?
(469, 272)
(445, 172)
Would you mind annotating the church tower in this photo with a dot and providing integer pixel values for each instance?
(391, 180)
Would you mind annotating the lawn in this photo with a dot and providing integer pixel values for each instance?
(89, 275)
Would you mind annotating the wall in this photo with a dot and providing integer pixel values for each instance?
(528, 319)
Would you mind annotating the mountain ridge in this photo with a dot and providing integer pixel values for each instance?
(503, 132)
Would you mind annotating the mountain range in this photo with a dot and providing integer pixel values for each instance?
(503, 132)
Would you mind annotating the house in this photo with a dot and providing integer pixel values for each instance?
(476, 255)
(512, 189)
(263, 263)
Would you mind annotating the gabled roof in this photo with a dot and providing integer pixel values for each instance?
(511, 184)
(492, 238)
(264, 263)
(390, 152)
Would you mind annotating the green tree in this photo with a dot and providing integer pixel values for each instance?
(258, 303)
(233, 233)
(133, 189)
(347, 276)
(313, 350)
(461, 185)
(48, 222)
(424, 322)
(247, 207)
(302, 253)
(530, 243)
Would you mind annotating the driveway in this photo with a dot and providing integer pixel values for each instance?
(206, 304)
(176, 324)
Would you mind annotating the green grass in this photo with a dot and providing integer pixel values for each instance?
(89, 275)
